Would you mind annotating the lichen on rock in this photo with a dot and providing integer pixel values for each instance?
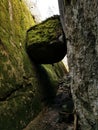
(80, 23)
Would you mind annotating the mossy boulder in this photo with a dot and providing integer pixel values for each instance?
(45, 42)
(21, 85)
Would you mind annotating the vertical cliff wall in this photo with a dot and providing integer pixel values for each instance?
(14, 21)
(15, 67)
(22, 84)
(80, 23)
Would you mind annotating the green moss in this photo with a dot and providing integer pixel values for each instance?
(17, 112)
(43, 43)
(15, 91)
(49, 81)
(49, 77)
(21, 87)
(48, 30)
(15, 19)
(38, 37)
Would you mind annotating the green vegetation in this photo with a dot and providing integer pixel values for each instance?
(21, 87)
(45, 32)
(14, 21)
(45, 43)
(16, 92)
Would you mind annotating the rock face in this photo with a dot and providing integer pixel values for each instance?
(22, 86)
(80, 23)
(46, 43)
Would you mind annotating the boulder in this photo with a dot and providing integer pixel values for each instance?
(46, 43)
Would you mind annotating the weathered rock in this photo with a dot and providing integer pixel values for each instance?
(46, 43)
(22, 86)
(80, 23)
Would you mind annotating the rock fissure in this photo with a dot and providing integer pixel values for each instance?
(10, 95)
(21, 97)
(60, 114)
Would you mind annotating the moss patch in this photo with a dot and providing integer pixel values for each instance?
(46, 43)
(21, 87)
(45, 32)
(14, 21)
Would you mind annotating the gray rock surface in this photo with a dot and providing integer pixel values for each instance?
(80, 23)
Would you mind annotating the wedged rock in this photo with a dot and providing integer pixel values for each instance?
(23, 86)
(46, 43)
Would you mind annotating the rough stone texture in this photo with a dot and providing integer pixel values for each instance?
(22, 86)
(80, 23)
(45, 42)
